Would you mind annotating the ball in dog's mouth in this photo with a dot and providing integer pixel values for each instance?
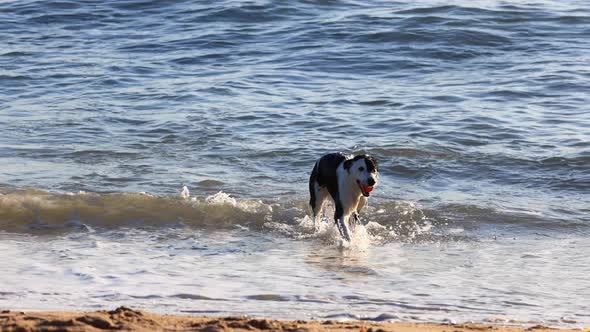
(365, 190)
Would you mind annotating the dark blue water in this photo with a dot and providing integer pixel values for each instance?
(477, 112)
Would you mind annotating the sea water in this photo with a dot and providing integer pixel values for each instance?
(477, 112)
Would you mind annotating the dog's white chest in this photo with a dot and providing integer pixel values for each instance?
(348, 193)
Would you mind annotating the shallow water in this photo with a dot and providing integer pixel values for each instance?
(476, 111)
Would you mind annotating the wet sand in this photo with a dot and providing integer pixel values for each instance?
(126, 319)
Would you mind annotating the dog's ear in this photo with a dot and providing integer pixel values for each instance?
(348, 164)
(371, 163)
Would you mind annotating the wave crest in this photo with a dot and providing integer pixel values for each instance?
(34, 210)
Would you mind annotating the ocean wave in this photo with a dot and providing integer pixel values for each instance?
(38, 211)
(32, 208)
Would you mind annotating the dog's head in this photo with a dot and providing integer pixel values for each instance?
(363, 170)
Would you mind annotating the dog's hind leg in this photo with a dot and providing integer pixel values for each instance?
(313, 191)
(317, 197)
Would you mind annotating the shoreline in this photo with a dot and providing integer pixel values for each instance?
(124, 318)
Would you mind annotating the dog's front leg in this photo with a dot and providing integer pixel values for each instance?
(340, 222)
(355, 220)
(356, 217)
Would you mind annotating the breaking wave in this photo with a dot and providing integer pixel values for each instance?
(34, 210)
(43, 212)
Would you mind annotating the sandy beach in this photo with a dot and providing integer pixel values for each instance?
(126, 319)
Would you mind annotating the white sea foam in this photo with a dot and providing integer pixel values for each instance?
(221, 198)
(185, 193)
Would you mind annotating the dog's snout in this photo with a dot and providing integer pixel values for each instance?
(371, 182)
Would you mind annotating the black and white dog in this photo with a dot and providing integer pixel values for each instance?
(347, 180)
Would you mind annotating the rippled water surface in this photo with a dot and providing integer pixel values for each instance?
(477, 112)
